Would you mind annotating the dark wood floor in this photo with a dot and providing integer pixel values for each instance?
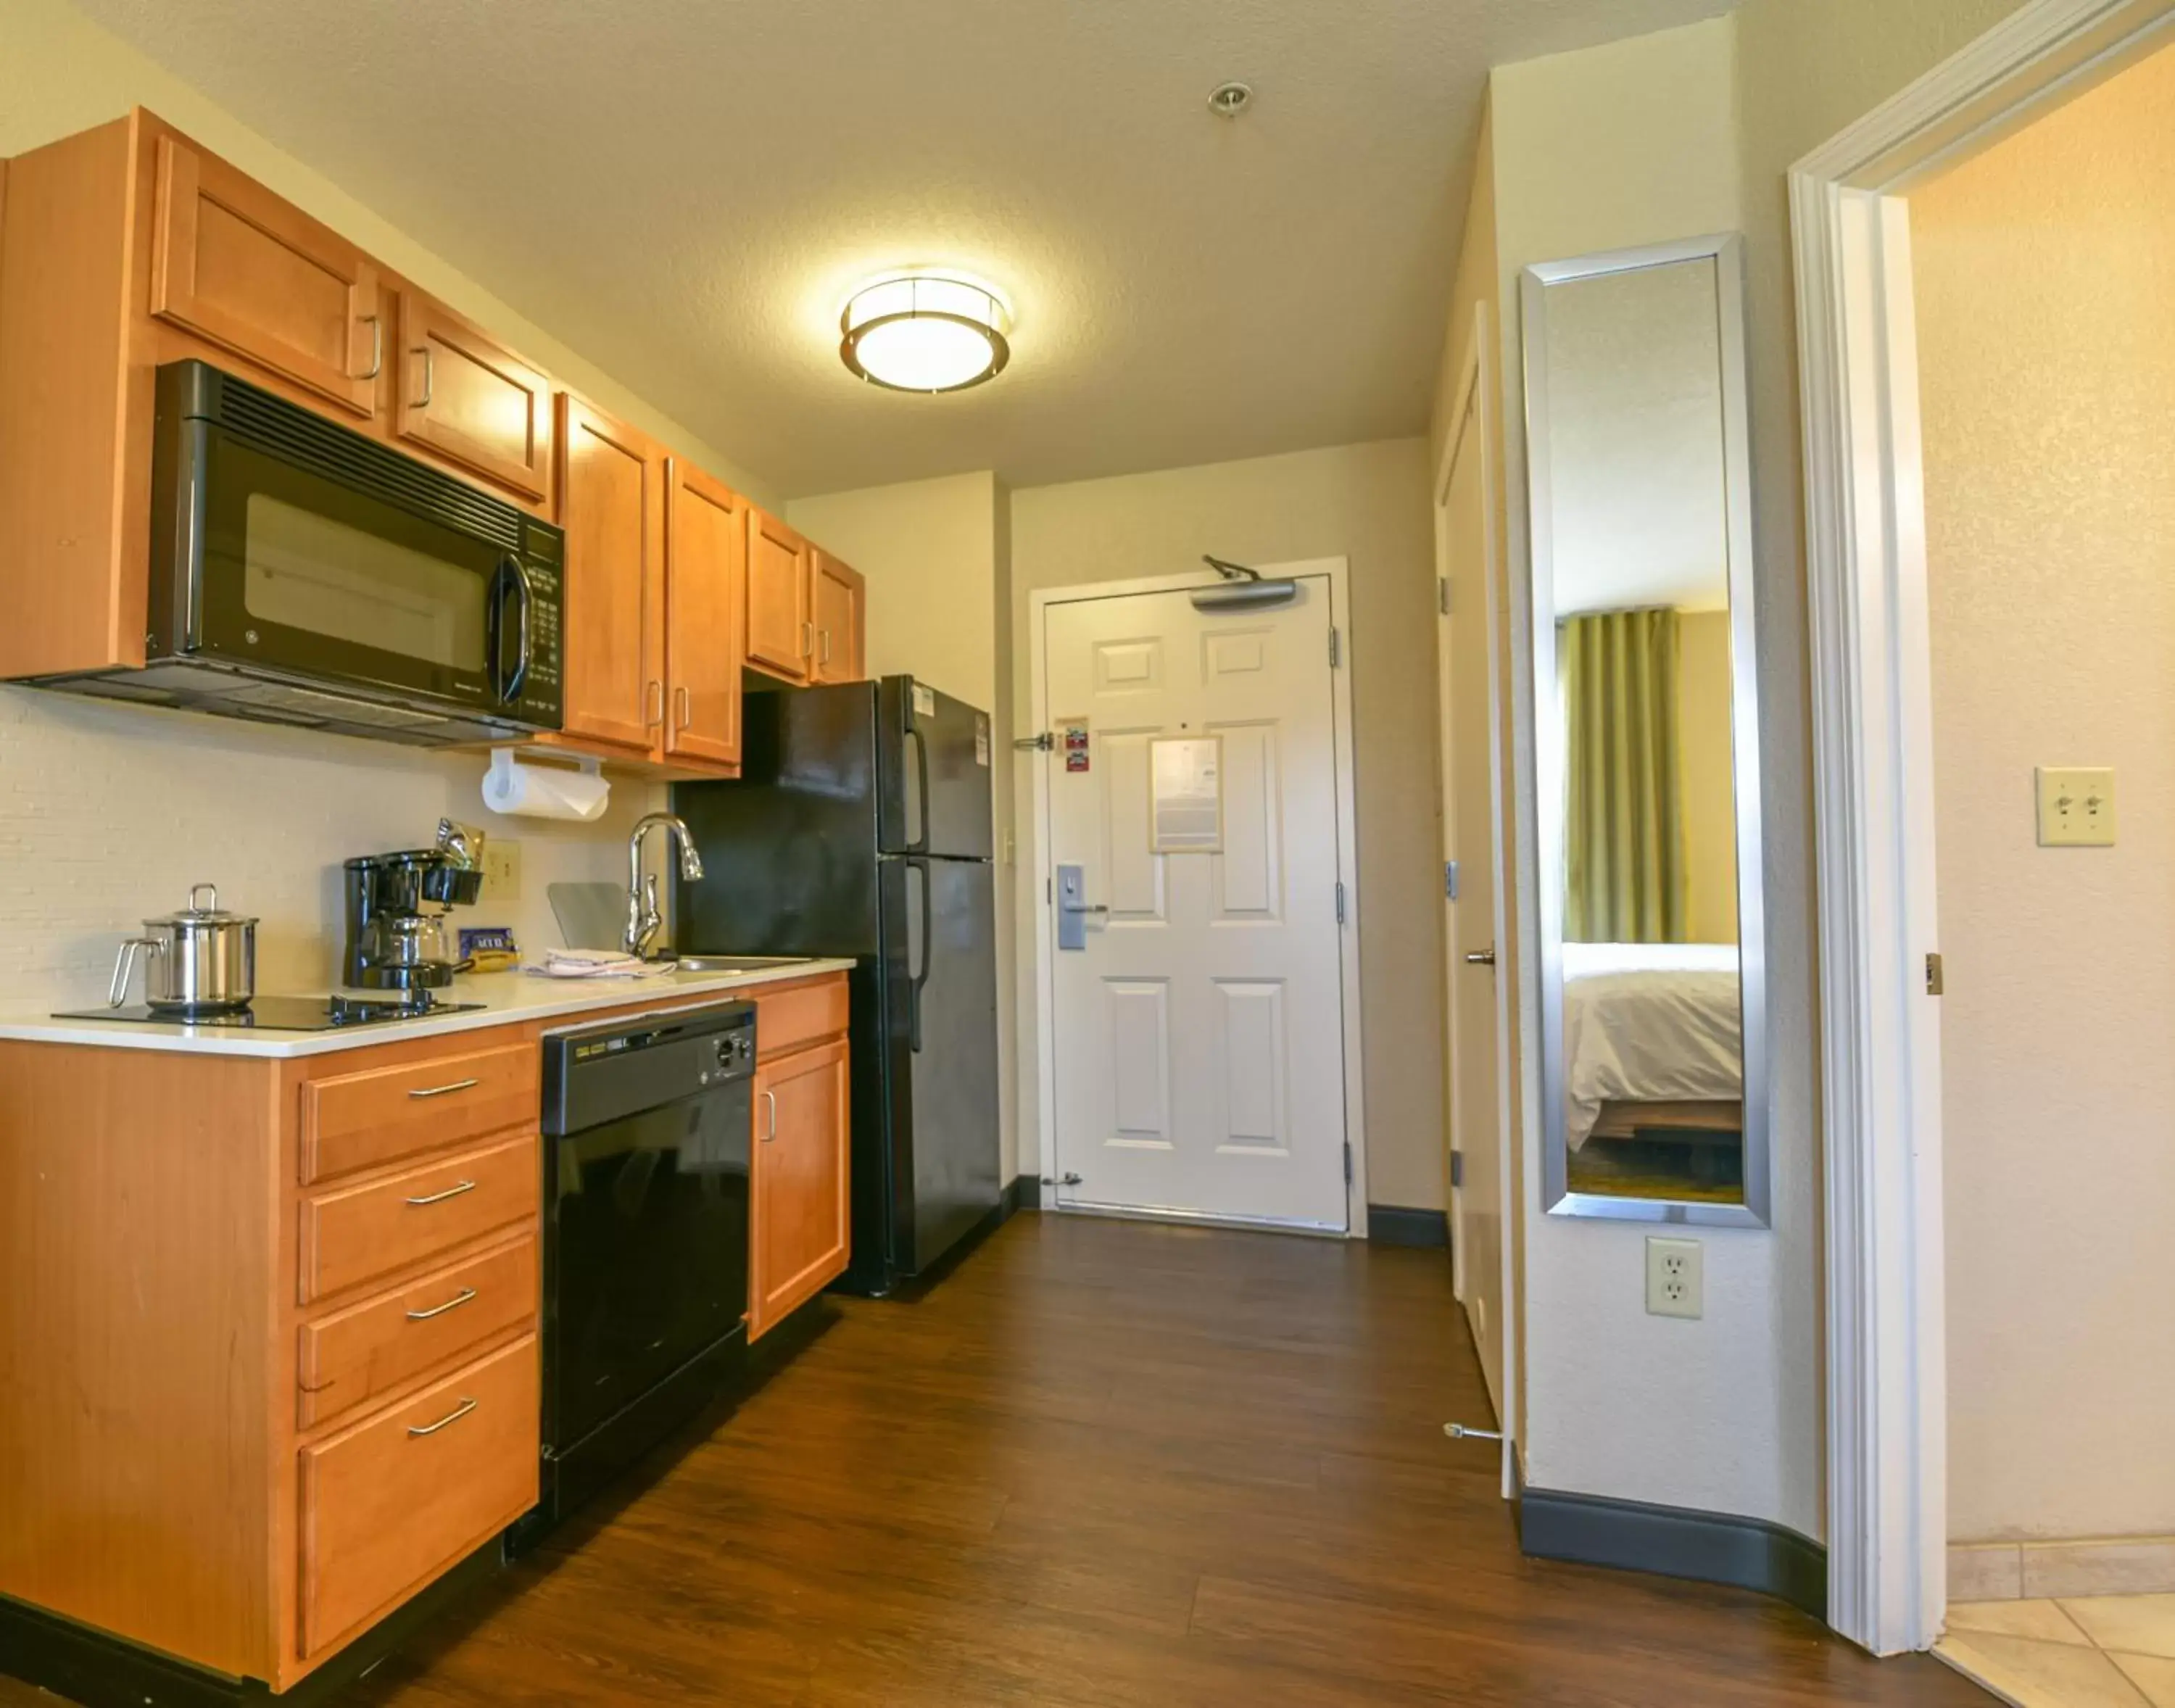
(1109, 1463)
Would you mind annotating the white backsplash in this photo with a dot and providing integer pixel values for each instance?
(109, 813)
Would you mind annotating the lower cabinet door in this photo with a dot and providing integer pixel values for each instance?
(800, 1238)
(391, 1503)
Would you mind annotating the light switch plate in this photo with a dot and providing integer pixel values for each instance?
(2076, 806)
(1676, 1278)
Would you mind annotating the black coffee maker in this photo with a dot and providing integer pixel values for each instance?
(396, 910)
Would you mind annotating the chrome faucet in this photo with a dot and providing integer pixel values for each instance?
(642, 918)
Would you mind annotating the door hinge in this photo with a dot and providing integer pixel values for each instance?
(1340, 903)
(1043, 743)
(1934, 981)
(1442, 594)
(1049, 893)
(1335, 651)
(1450, 880)
(1347, 1162)
(1458, 1168)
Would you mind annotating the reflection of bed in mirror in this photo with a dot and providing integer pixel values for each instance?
(1653, 1055)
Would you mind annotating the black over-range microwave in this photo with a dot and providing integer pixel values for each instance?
(302, 574)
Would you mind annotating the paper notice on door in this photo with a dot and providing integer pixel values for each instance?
(1185, 794)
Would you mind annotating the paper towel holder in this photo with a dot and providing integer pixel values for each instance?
(508, 766)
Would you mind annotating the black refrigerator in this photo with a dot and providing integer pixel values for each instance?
(860, 825)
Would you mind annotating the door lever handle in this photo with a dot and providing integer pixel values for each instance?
(1084, 907)
(1480, 957)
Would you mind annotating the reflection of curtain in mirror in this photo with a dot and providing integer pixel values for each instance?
(1624, 843)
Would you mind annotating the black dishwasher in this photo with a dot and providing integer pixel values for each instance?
(647, 1126)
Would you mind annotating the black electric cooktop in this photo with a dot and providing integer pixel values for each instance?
(288, 1013)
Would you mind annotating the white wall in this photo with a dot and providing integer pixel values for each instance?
(1368, 503)
(937, 557)
(2047, 357)
(107, 814)
(1628, 143)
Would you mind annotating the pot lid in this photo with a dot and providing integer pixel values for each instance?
(194, 914)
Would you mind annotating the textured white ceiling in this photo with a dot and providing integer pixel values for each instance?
(686, 191)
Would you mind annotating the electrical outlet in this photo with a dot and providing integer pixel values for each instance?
(501, 869)
(2076, 806)
(1676, 1278)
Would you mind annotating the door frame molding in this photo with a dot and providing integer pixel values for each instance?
(1887, 1429)
(1472, 400)
(1041, 946)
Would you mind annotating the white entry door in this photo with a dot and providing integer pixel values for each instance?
(1199, 1028)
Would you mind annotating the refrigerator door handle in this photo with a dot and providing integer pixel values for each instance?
(917, 980)
(919, 844)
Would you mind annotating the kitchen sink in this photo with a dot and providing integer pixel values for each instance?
(737, 963)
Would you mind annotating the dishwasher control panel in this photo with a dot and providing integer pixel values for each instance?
(598, 1073)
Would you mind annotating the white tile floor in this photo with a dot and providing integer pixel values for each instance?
(2096, 1651)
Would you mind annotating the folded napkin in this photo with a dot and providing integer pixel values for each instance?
(597, 963)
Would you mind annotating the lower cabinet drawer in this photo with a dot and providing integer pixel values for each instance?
(389, 1504)
(355, 1235)
(357, 1353)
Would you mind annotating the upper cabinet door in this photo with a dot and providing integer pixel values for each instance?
(471, 400)
(841, 621)
(780, 635)
(705, 595)
(236, 264)
(611, 505)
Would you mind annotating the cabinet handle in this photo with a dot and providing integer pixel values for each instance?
(770, 1098)
(682, 713)
(657, 701)
(454, 1416)
(430, 377)
(452, 1191)
(808, 640)
(825, 634)
(455, 1303)
(377, 347)
(421, 1091)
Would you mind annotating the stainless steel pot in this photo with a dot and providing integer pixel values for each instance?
(201, 960)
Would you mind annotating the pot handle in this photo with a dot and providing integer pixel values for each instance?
(126, 964)
(196, 890)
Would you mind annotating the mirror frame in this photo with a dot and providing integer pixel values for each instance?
(1726, 252)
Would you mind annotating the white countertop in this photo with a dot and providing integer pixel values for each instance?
(506, 998)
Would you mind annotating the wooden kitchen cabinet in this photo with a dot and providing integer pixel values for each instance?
(841, 621)
(780, 573)
(242, 267)
(611, 504)
(705, 612)
(466, 397)
(801, 1234)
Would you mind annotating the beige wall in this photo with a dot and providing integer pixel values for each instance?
(937, 557)
(108, 813)
(1710, 792)
(2047, 352)
(1368, 503)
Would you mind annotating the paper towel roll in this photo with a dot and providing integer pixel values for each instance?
(543, 791)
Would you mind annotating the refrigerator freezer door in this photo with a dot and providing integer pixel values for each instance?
(938, 758)
(789, 851)
(946, 1170)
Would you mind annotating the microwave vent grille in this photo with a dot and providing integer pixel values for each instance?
(298, 437)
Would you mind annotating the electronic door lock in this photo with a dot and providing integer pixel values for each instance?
(1074, 909)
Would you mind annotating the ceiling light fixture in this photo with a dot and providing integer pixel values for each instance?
(925, 332)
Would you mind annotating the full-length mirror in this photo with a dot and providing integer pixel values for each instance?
(1654, 1001)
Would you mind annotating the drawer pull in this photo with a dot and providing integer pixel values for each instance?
(423, 1090)
(454, 1416)
(452, 1191)
(770, 1099)
(455, 1303)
